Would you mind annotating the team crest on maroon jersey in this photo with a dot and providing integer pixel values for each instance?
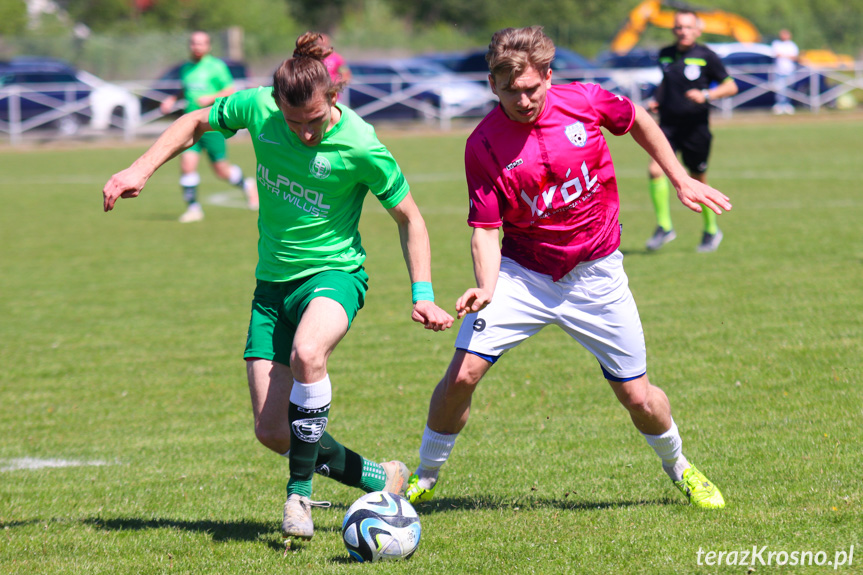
(577, 134)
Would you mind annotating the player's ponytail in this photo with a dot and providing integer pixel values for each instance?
(302, 77)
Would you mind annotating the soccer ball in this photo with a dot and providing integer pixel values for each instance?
(381, 526)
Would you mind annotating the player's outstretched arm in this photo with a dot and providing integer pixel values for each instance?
(691, 193)
(210, 99)
(167, 105)
(485, 250)
(417, 253)
(180, 135)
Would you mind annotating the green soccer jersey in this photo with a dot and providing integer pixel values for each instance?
(205, 77)
(311, 198)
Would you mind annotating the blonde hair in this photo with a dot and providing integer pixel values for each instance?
(303, 76)
(514, 50)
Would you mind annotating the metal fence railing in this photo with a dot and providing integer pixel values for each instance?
(812, 88)
(66, 109)
(76, 110)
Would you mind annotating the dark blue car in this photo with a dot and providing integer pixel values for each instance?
(752, 64)
(567, 65)
(44, 92)
(412, 88)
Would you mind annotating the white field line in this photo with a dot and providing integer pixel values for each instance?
(32, 463)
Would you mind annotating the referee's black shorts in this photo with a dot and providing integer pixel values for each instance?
(692, 140)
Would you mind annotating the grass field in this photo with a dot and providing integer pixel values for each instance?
(121, 336)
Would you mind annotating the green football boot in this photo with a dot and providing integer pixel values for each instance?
(700, 491)
(415, 493)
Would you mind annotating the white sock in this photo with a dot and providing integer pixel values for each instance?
(434, 451)
(235, 175)
(312, 400)
(190, 180)
(315, 395)
(669, 447)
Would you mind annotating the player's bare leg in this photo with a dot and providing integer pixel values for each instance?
(270, 386)
(189, 182)
(448, 414)
(648, 406)
(650, 411)
(450, 403)
(233, 174)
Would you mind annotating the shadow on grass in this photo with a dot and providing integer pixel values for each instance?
(447, 504)
(158, 217)
(218, 530)
(14, 524)
(633, 253)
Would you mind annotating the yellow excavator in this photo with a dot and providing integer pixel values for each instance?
(661, 14)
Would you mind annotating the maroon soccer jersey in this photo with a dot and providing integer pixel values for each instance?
(550, 184)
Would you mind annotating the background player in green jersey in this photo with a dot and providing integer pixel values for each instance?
(316, 163)
(205, 78)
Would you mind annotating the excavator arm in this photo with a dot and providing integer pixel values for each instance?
(652, 13)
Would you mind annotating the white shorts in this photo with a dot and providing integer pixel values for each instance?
(592, 303)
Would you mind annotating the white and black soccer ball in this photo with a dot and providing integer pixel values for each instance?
(381, 526)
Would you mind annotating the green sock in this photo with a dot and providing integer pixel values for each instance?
(709, 220)
(303, 488)
(190, 194)
(304, 448)
(373, 478)
(338, 462)
(345, 466)
(659, 195)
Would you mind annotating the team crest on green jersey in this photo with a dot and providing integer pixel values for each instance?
(320, 167)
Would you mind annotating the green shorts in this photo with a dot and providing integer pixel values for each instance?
(214, 144)
(278, 307)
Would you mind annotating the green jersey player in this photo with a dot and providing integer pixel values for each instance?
(316, 163)
(205, 78)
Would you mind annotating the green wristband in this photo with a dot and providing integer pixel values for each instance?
(422, 291)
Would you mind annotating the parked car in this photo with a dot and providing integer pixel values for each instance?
(169, 84)
(412, 88)
(751, 65)
(54, 94)
(636, 72)
(567, 65)
(572, 65)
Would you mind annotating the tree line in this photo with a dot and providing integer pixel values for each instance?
(584, 25)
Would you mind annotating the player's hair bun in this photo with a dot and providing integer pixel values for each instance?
(309, 45)
(300, 78)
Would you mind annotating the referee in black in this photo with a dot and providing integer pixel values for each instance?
(692, 76)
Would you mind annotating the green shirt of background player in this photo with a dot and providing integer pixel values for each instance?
(316, 163)
(205, 78)
(692, 76)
